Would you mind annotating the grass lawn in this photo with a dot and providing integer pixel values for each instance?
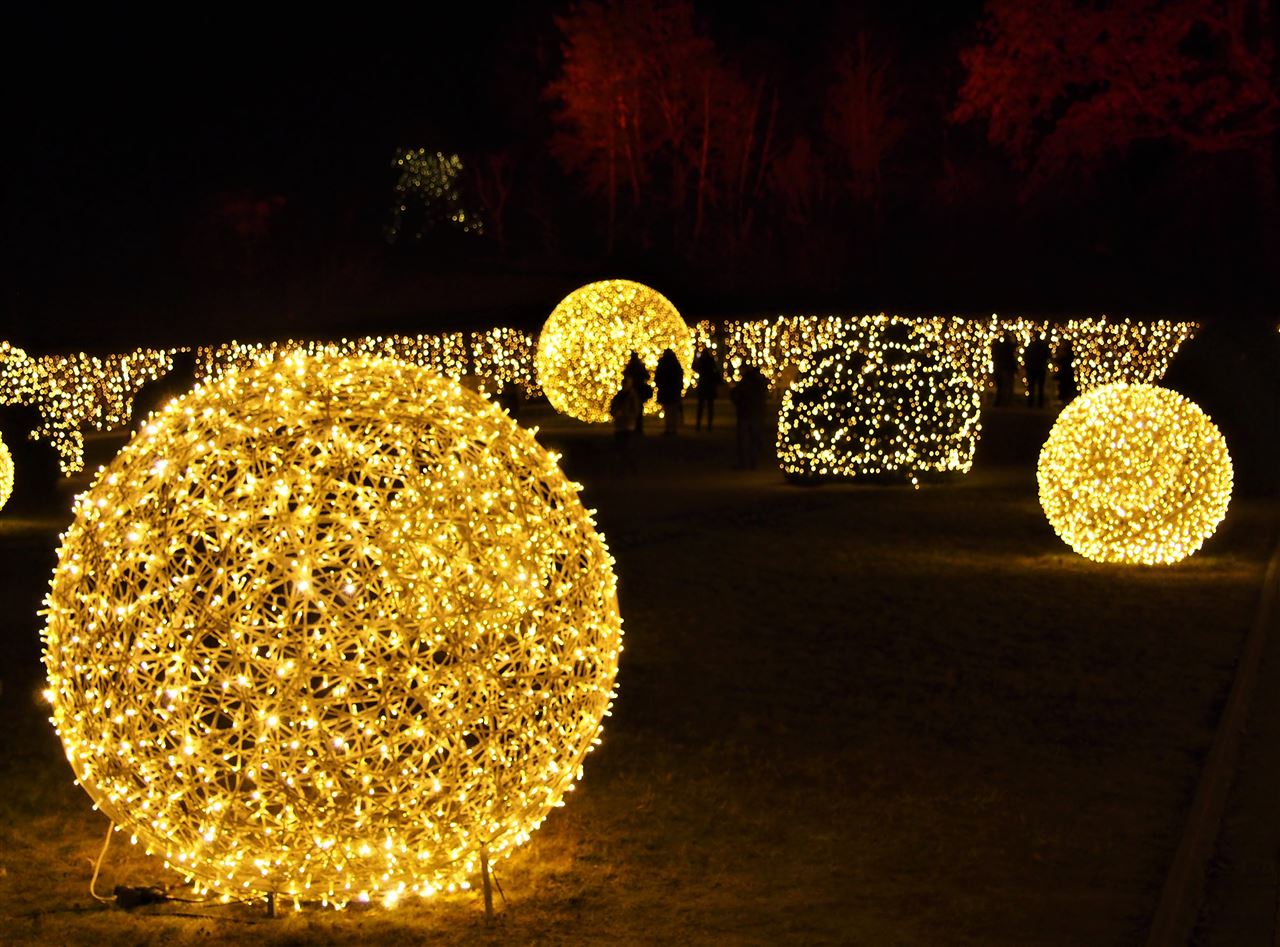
(847, 713)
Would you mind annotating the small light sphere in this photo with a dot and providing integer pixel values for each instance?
(883, 402)
(1134, 473)
(589, 337)
(6, 473)
(328, 627)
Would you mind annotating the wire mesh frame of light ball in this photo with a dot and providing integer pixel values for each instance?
(1134, 473)
(331, 629)
(589, 337)
(884, 405)
(6, 474)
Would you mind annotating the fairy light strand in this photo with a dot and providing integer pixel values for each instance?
(326, 628)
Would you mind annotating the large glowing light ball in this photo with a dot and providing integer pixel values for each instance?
(588, 338)
(331, 628)
(1134, 473)
(6, 474)
(885, 402)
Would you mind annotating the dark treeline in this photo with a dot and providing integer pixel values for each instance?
(1048, 156)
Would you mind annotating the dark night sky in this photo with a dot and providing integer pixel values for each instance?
(125, 127)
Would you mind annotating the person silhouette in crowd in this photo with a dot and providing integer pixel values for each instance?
(1004, 364)
(1065, 359)
(639, 375)
(709, 378)
(750, 397)
(623, 409)
(1035, 357)
(668, 377)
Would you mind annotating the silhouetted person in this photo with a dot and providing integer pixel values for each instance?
(709, 378)
(639, 376)
(750, 397)
(1065, 360)
(1035, 357)
(668, 377)
(154, 395)
(624, 408)
(1004, 364)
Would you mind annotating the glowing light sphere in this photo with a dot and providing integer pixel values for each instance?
(1134, 473)
(6, 474)
(883, 402)
(588, 338)
(328, 627)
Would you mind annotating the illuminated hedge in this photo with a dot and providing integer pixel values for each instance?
(6, 474)
(589, 337)
(883, 403)
(327, 628)
(1134, 473)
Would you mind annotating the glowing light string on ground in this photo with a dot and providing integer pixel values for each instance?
(328, 628)
(882, 402)
(1134, 473)
(588, 338)
(6, 474)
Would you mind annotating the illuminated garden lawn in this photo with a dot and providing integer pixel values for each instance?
(846, 713)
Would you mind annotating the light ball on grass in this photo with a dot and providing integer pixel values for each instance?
(329, 627)
(1134, 473)
(589, 337)
(6, 473)
(884, 402)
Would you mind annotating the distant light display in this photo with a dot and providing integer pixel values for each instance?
(1134, 473)
(78, 392)
(1106, 350)
(503, 356)
(427, 194)
(332, 629)
(885, 401)
(6, 474)
(588, 338)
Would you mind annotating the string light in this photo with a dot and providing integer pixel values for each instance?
(504, 356)
(331, 628)
(885, 400)
(588, 338)
(79, 392)
(6, 473)
(1105, 350)
(1134, 473)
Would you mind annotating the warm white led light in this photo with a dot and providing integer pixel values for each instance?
(330, 627)
(6, 473)
(1134, 473)
(588, 338)
(885, 401)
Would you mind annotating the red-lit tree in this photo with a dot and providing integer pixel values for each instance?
(860, 119)
(862, 125)
(650, 112)
(1060, 83)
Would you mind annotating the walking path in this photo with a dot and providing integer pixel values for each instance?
(1223, 886)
